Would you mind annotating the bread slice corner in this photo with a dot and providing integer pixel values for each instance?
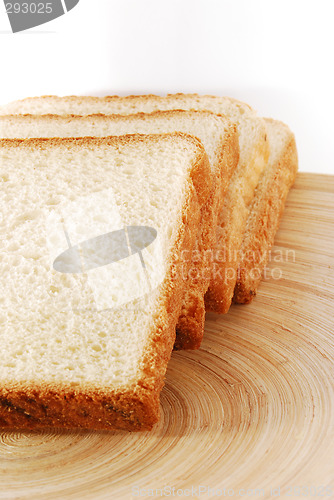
(74, 352)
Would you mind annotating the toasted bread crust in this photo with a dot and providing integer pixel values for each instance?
(231, 229)
(190, 327)
(266, 211)
(35, 405)
(101, 116)
(16, 104)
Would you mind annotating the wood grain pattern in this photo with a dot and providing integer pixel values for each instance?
(253, 408)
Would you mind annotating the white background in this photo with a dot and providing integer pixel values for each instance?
(277, 55)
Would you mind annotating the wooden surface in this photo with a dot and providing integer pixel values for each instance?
(252, 409)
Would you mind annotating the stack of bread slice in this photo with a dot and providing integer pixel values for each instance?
(192, 187)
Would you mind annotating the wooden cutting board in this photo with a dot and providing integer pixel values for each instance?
(253, 409)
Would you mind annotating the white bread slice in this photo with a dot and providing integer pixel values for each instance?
(266, 209)
(73, 352)
(220, 140)
(254, 153)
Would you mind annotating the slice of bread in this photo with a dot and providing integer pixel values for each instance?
(220, 139)
(266, 209)
(254, 153)
(92, 233)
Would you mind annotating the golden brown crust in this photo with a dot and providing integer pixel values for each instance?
(190, 326)
(34, 405)
(133, 97)
(230, 154)
(266, 212)
(230, 233)
(120, 117)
